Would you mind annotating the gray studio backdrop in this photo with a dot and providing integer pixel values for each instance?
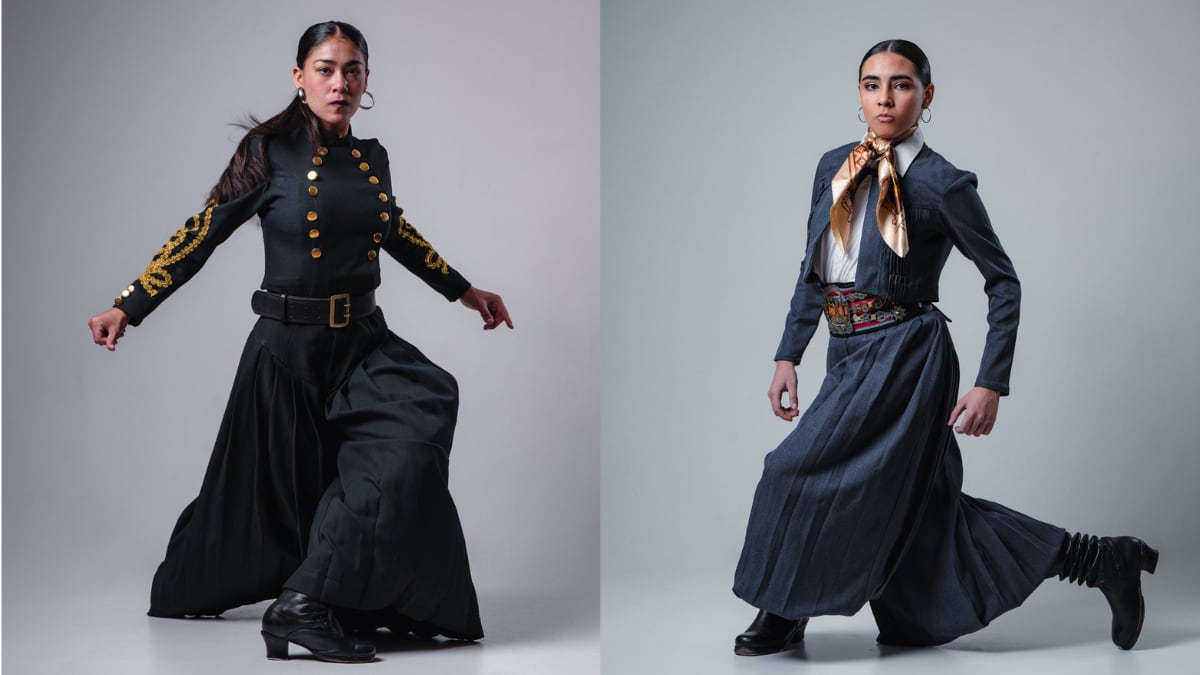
(1077, 117)
(116, 123)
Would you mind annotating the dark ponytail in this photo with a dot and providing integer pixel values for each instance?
(249, 166)
(906, 49)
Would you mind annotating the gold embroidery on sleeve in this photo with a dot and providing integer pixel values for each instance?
(433, 260)
(156, 275)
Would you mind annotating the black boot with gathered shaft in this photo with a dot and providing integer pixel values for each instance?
(1115, 566)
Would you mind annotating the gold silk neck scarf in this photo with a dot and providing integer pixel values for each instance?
(889, 212)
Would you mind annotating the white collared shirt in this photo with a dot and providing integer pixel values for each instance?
(835, 267)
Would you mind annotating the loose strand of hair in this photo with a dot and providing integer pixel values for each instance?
(249, 165)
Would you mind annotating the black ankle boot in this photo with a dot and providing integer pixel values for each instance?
(1114, 565)
(769, 633)
(299, 619)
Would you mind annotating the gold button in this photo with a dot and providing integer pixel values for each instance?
(312, 190)
(384, 216)
(312, 175)
(371, 254)
(129, 288)
(322, 150)
(377, 237)
(383, 196)
(374, 180)
(316, 253)
(312, 215)
(314, 233)
(118, 300)
(364, 167)
(317, 161)
(356, 154)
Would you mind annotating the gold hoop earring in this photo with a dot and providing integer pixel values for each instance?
(367, 107)
(300, 95)
(860, 115)
(926, 118)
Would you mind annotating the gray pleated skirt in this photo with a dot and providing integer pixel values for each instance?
(862, 502)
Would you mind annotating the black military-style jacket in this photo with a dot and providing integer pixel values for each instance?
(325, 215)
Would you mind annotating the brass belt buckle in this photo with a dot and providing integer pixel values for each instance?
(333, 300)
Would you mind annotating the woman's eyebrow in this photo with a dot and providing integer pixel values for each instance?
(876, 78)
(355, 62)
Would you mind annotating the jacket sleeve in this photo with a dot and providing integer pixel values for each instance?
(186, 252)
(971, 232)
(404, 243)
(808, 304)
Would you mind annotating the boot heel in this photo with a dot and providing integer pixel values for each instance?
(1149, 558)
(277, 647)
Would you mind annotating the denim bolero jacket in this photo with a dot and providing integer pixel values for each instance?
(942, 210)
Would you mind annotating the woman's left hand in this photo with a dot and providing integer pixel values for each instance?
(489, 305)
(978, 411)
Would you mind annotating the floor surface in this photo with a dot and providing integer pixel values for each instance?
(660, 626)
(108, 632)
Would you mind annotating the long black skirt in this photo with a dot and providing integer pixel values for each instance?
(329, 477)
(862, 502)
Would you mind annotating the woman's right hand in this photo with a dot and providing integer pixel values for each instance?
(784, 382)
(108, 327)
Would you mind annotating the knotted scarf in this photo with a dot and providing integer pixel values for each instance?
(889, 212)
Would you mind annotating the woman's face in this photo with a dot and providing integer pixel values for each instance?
(891, 94)
(334, 78)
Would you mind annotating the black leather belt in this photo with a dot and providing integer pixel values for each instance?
(336, 311)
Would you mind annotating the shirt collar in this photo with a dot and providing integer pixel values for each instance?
(907, 151)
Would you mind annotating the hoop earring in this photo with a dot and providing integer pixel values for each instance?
(926, 118)
(367, 107)
(860, 115)
(300, 95)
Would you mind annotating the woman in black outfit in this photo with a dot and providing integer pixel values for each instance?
(327, 486)
(862, 502)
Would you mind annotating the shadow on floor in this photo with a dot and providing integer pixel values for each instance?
(856, 646)
(509, 617)
(1055, 621)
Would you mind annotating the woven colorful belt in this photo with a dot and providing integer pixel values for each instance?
(850, 312)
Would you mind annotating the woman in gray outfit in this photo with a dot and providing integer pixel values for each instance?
(862, 502)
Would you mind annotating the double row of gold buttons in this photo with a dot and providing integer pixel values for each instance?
(312, 216)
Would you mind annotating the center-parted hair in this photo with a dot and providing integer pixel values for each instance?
(908, 50)
(320, 32)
